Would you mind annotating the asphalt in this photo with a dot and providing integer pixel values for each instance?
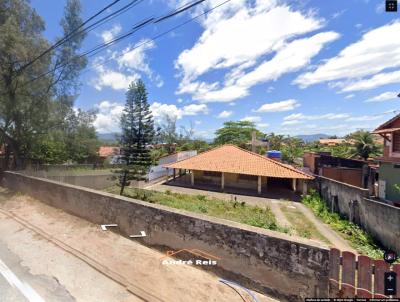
(17, 284)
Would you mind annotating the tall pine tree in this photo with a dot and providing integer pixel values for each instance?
(137, 134)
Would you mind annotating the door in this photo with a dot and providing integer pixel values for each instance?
(382, 189)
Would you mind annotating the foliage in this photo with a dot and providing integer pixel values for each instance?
(292, 149)
(37, 120)
(359, 239)
(237, 133)
(364, 144)
(255, 216)
(137, 134)
(174, 140)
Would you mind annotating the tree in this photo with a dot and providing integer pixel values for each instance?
(23, 108)
(292, 149)
(137, 133)
(168, 134)
(364, 144)
(33, 115)
(275, 141)
(237, 133)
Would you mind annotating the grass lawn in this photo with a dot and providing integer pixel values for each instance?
(235, 211)
(302, 226)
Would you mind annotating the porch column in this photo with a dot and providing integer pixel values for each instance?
(166, 177)
(294, 184)
(174, 174)
(259, 185)
(222, 181)
(192, 178)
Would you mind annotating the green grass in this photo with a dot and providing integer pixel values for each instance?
(362, 242)
(302, 226)
(235, 211)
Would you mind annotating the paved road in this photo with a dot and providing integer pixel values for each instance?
(17, 284)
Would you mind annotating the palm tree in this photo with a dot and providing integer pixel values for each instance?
(364, 144)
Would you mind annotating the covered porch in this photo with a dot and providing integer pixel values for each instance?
(234, 183)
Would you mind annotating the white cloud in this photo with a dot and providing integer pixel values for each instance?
(279, 106)
(225, 114)
(237, 36)
(253, 119)
(386, 96)
(291, 122)
(350, 96)
(109, 35)
(365, 118)
(108, 117)
(113, 79)
(132, 63)
(376, 51)
(262, 125)
(327, 116)
(195, 109)
(161, 110)
(377, 80)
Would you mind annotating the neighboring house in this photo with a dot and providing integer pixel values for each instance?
(354, 172)
(229, 166)
(332, 141)
(159, 170)
(389, 163)
(112, 154)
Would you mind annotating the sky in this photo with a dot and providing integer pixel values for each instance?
(292, 67)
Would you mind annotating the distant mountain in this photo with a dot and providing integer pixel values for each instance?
(108, 137)
(312, 137)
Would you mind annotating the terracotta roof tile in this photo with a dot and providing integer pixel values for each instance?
(105, 151)
(232, 159)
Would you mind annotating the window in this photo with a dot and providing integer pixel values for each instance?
(212, 174)
(247, 177)
(396, 141)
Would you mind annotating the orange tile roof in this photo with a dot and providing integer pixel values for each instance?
(105, 151)
(232, 159)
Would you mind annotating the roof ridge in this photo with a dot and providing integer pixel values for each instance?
(274, 161)
(388, 122)
(212, 149)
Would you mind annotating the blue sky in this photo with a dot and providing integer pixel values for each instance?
(292, 67)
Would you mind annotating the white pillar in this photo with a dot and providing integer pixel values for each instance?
(259, 185)
(166, 177)
(192, 178)
(222, 181)
(294, 184)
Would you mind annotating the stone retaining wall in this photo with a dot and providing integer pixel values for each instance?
(288, 268)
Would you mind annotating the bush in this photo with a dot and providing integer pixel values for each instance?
(359, 239)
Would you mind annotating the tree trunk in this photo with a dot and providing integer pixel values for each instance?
(123, 183)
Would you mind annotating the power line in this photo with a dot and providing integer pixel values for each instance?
(101, 47)
(68, 36)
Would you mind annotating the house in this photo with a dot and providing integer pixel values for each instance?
(354, 172)
(231, 167)
(110, 153)
(159, 170)
(332, 141)
(389, 163)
